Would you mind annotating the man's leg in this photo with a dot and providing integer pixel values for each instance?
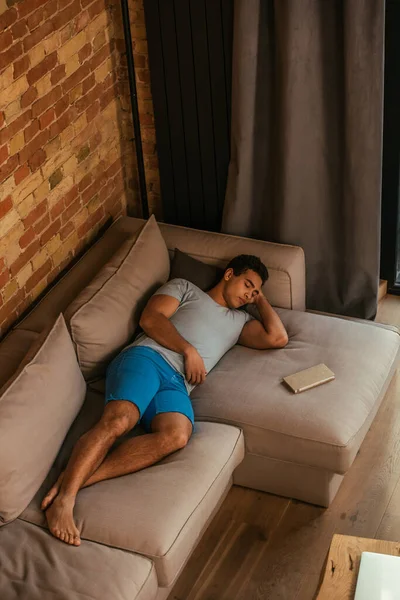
(119, 417)
(170, 432)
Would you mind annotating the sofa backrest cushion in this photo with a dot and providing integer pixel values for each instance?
(37, 406)
(103, 318)
(204, 276)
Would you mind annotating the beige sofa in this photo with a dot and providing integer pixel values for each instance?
(138, 531)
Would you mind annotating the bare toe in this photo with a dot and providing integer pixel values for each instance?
(77, 541)
(60, 520)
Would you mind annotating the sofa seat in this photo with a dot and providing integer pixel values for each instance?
(160, 511)
(322, 427)
(36, 566)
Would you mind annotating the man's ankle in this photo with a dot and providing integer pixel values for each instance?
(66, 498)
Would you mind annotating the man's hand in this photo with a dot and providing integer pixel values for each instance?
(257, 298)
(194, 366)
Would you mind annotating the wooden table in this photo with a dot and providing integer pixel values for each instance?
(343, 562)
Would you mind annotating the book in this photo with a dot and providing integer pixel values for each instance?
(309, 378)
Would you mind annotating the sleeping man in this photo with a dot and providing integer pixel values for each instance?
(185, 333)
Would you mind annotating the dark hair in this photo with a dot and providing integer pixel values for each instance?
(243, 262)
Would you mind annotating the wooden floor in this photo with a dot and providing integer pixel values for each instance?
(264, 547)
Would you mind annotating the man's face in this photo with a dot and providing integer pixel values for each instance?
(242, 289)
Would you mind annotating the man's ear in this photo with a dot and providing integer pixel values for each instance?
(228, 274)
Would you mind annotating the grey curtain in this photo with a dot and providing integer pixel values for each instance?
(307, 120)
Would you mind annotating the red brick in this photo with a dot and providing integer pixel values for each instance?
(9, 56)
(85, 52)
(95, 141)
(38, 275)
(7, 310)
(84, 228)
(3, 154)
(2, 264)
(21, 173)
(37, 142)
(57, 209)
(92, 111)
(94, 188)
(140, 61)
(35, 19)
(29, 97)
(35, 214)
(89, 98)
(96, 8)
(6, 40)
(23, 305)
(96, 216)
(71, 211)
(9, 167)
(61, 106)
(8, 18)
(20, 66)
(106, 191)
(85, 181)
(37, 159)
(62, 123)
(4, 278)
(1, 118)
(66, 230)
(81, 21)
(46, 65)
(38, 35)
(59, 268)
(28, 7)
(100, 56)
(51, 8)
(65, 16)
(114, 168)
(31, 130)
(19, 29)
(15, 126)
(27, 238)
(71, 195)
(50, 232)
(24, 257)
(45, 222)
(57, 74)
(46, 101)
(47, 118)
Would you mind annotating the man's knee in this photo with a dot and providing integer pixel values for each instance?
(119, 418)
(176, 438)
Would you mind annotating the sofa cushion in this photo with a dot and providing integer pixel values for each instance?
(12, 350)
(204, 276)
(160, 511)
(37, 406)
(104, 316)
(36, 566)
(322, 427)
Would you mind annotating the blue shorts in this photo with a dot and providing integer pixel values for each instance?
(142, 376)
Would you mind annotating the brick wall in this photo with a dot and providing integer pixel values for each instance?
(67, 162)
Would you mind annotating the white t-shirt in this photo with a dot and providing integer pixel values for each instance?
(205, 324)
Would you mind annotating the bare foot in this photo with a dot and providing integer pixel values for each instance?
(61, 521)
(52, 493)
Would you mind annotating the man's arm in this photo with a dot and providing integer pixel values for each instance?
(156, 324)
(271, 333)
